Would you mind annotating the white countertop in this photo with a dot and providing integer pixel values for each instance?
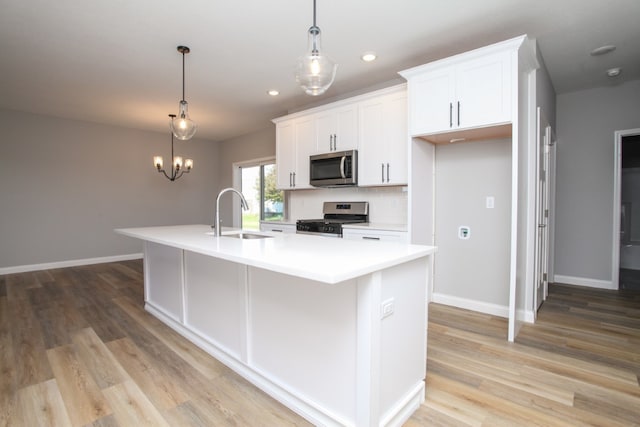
(325, 259)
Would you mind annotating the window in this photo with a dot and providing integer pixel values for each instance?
(258, 183)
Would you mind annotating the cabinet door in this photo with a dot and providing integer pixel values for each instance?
(285, 154)
(383, 141)
(431, 101)
(371, 155)
(396, 139)
(304, 146)
(483, 90)
(336, 129)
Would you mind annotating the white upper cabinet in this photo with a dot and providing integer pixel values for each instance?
(382, 154)
(467, 91)
(483, 91)
(374, 123)
(294, 144)
(285, 154)
(337, 129)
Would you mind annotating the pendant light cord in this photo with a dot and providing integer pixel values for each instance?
(183, 72)
(314, 13)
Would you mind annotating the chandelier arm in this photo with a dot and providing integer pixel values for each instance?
(165, 174)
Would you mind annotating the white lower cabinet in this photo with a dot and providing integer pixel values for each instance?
(373, 234)
(277, 228)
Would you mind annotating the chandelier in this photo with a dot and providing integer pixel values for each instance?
(178, 166)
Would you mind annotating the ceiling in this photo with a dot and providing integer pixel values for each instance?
(115, 61)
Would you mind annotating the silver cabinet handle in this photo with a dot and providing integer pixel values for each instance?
(276, 230)
(458, 113)
(450, 115)
(335, 142)
(370, 238)
(387, 172)
(290, 179)
(330, 142)
(382, 164)
(294, 179)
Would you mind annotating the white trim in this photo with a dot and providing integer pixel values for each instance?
(583, 281)
(483, 307)
(468, 304)
(70, 263)
(617, 184)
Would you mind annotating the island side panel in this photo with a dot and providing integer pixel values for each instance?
(163, 279)
(403, 339)
(303, 337)
(216, 302)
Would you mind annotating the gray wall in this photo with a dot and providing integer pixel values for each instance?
(586, 122)
(251, 146)
(476, 269)
(65, 185)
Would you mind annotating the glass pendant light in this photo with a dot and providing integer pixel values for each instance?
(315, 72)
(182, 126)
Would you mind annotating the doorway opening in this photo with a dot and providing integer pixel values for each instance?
(626, 261)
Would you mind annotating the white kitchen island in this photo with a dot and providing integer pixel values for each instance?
(332, 328)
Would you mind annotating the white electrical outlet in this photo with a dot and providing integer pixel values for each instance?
(386, 308)
(464, 232)
(491, 202)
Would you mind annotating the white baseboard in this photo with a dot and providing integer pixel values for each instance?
(70, 263)
(467, 304)
(583, 281)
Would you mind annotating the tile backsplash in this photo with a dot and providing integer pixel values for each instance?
(387, 205)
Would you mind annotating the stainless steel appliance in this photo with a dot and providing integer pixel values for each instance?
(334, 169)
(335, 215)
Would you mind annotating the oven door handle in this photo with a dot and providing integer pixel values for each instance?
(342, 161)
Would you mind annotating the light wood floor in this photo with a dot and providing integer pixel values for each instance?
(77, 348)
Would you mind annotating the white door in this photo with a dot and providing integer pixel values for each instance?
(544, 151)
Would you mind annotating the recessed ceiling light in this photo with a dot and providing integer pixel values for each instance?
(368, 56)
(614, 72)
(602, 50)
(273, 92)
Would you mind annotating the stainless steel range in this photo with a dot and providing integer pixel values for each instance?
(335, 215)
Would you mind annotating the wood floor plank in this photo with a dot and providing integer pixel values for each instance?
(29, 357)
(131, 406)
(8, 378)
(190, 353)
(96, 357)
(80, 393)
(41, 405)
(161, 391)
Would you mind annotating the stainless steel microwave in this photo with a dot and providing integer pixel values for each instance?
(334, 169)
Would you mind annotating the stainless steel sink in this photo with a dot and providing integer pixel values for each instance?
(247, 236)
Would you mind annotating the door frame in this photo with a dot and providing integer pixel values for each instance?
(617, 186)
(541, 239)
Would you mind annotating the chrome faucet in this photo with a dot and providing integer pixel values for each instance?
(218, 222)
